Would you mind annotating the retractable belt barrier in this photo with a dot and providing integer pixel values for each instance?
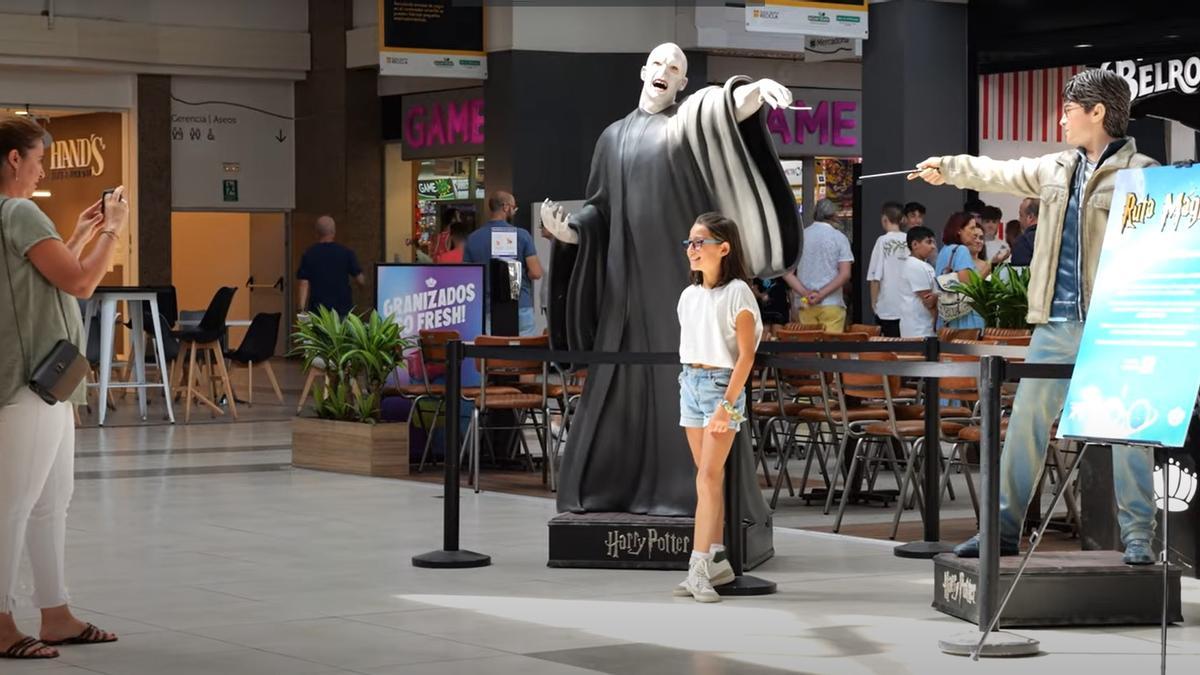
(993, 371)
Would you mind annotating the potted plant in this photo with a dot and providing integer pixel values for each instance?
(356, 357)
(1002, 299)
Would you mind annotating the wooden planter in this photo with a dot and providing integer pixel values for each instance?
(350, 447)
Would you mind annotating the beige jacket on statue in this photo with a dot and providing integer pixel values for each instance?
(1049, 178)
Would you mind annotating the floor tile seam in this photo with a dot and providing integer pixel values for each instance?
(615, 642)
(373, 625)
(184, 471)
(201, 450)
(1158, 641)
(801, 532)
(200, 587)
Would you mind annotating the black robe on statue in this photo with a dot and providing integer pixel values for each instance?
(617, 290)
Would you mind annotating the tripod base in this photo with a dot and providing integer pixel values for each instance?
(451, 560)
(924, 550)
(999, 645)
(747, 585)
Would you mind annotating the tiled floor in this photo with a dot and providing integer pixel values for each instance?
(209, 554)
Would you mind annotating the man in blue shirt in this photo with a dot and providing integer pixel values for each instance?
(325, 272)
(498, 239)
(1023, 250)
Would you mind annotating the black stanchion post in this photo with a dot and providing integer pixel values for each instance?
(742, 584)
(450, 556)
(1000, 644)
(932, 544)
(991, 379)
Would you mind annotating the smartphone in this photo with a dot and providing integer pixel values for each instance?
(103, 196)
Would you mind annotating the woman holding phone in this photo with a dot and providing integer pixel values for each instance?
(42, 276)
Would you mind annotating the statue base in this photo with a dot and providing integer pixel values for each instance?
(1082, 588)
(631, 541)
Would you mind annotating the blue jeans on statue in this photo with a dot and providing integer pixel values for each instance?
(1037, 404)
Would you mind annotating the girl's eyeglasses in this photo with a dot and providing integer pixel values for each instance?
(697, 244)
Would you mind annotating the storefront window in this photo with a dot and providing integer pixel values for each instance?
(835, 181)
(442, 184)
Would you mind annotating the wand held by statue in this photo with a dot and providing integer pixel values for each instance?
(892, 173)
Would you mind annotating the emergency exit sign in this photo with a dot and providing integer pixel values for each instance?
(230, 190)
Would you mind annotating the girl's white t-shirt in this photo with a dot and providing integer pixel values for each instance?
(708, 323)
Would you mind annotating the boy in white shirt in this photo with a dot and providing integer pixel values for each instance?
(920, 300)
(993, 231)
(885, 272)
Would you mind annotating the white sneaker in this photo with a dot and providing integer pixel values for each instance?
(698, 583)
(719, 568)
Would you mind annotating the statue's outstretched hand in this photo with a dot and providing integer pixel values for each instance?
(554, 219)
(929, 171)
(774, 94)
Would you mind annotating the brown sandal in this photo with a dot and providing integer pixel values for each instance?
(28, 648)
(89, 636)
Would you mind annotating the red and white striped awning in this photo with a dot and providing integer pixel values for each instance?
(1024, 106)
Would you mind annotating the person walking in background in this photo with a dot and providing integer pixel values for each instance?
(1012, 232)
(992, 220)
(885, 271)
(773, 304)
(914, 215)
(919, 294)
(1028, 215)
(459, 231)
(962, 233)
(442, 240)
(482, 246)
(42, 279)
(824, 269)
(326, 269)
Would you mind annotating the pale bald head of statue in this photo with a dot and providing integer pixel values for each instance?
(663, 77)
(326, 228)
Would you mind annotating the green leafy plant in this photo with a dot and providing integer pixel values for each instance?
(1002, 299)
(356, 357)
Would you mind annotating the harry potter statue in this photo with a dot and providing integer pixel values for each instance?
(618, 271)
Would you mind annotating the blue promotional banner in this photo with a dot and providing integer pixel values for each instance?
(432, 297)
(1138, 368)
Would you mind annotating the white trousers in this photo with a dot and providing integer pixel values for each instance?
(37, 477)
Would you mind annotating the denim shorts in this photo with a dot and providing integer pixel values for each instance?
(700, 392)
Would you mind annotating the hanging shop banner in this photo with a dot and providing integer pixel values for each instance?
(432, 297)
(1136, 374)
(442, 124)
(431, 38)
(829, 18)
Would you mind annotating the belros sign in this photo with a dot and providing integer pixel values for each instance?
(1147, 79)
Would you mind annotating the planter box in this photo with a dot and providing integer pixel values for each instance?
(350, 447)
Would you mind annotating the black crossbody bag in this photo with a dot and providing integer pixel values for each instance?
(58, 375)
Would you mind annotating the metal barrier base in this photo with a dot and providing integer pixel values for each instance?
(1081, 588)
(451, 560)
(999, 645)
(747, 585)
(632, 541)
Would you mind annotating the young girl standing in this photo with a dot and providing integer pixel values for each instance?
(720, 328)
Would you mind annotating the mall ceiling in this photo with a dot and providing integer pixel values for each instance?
(1025, 34)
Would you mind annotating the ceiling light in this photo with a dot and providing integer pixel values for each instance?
(1172, 36)
(22, 113)
(41, 194)
(1084, 45)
